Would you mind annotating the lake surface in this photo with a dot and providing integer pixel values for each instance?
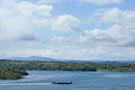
(40, 80)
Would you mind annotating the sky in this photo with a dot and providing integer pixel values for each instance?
(68, 29)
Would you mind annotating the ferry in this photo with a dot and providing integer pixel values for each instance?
(61, 82)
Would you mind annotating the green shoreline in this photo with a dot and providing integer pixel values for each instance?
(13, 70)
(117, 70)
(16, 77)
(12, 74)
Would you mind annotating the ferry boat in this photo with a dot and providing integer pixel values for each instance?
(61, 82)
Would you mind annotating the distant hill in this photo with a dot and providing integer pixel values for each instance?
(114, 62)
(31, 58)
(37, 58)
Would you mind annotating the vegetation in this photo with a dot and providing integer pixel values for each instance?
(16, 69)
(50, 66)
(6, 73)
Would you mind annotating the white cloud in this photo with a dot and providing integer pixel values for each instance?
(109, 15)
(13, 25)
(18, 18)
(30, 52)
(120, 34)
(66, 23)
(98, 36)
(39, 10)
(115, 15)
(60, 39)
(103, 2)
(22, 21)
(113, 43)
(45, 52)
(117, 41)
(41, 22)
(50, 1)
(113, 36)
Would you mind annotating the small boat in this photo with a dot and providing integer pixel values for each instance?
(61, 82)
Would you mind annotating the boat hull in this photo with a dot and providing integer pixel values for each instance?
(61, 82)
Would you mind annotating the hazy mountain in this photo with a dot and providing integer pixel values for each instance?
(37, 58)
(33, 58)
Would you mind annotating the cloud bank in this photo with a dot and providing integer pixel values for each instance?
(103, 2)
(31, 28)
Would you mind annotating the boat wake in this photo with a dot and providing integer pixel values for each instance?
(23, 84)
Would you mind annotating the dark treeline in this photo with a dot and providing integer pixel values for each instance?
(49, 66)
(62, 66)
(7, 73)
(15, 69)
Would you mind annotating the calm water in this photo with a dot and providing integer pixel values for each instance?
(40, 80)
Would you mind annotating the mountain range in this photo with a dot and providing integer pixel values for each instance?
(31, 58)
(37, 58)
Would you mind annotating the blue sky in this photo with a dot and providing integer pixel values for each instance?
(68, 29)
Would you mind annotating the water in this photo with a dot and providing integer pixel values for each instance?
(40, 80)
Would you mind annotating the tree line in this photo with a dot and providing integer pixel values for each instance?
(16, 69)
